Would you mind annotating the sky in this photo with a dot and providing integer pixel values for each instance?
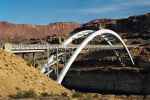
(81, 11)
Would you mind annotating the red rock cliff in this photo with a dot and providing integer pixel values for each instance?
(19, 32)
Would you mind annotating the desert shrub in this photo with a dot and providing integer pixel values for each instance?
(29, 63)
(44, 94)
(24, 94)
(88, 97)
(76, 94)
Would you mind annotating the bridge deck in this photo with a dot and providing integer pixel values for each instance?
(18, 48)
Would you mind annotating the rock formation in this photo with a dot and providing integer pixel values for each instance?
(20, 32)
(131, 27)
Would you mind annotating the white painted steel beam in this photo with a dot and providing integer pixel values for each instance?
(84, 43)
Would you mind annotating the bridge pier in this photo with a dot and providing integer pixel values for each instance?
(22, 55)
(57, 64)
(34, 59)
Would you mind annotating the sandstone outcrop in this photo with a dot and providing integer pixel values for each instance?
(10, 32)
(131, 27)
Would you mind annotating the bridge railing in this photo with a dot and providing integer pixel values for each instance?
(13, 47)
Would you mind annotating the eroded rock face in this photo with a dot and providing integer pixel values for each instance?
(109, 81)
(19, 32)
(136, 26)
(131, 27)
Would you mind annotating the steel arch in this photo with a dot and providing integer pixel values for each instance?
(84, 43)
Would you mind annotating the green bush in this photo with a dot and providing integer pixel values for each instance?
(25, 94)
(76, 94)
(29, 63)
(44, 94)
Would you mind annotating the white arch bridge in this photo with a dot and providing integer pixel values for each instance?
(105, 34)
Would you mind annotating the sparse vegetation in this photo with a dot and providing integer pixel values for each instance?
(76, 95)
(17, 77)
(45, 94)
(29, 63)
(24, 94)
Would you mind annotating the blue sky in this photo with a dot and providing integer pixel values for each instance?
(49, 11)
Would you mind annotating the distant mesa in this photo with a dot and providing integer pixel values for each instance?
(131, 27)
(10, 32)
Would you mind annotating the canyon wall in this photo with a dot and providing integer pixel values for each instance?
(21, 32)
(131, 27)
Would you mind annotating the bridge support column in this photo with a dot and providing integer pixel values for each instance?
(34, 59)
(23, 55)
(57, 65)
(48, 54)
(65, 57)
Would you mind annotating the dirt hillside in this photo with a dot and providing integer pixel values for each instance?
(16, 75)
